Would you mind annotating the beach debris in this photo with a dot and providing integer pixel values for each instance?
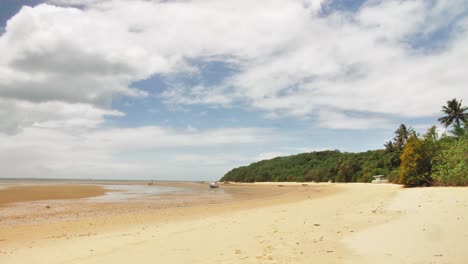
(316, 224)
(48, 207)
(237, 251)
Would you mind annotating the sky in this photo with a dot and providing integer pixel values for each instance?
(188, 90)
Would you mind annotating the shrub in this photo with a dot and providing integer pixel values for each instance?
(416, 163)
(451, 164)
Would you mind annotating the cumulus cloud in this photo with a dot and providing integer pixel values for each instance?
(16, 114)
(94, 53)
(290, 58)
(52, 73)
(63, 63)
(54, 53)
(351, 62)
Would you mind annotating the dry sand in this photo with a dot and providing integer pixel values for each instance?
(317, 223)
(432, 227)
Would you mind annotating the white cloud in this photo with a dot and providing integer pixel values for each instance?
(52, 53)
(145, 153)
(153, 137)
(337, 120)
(61, 67)
(290, 59)
(76, 2)
(90, 55)
(285, 152)
(349, 62)
(16, 114)
(180, 95)
(443, 13)
(270, 155)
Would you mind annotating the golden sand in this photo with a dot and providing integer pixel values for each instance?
(317, 223)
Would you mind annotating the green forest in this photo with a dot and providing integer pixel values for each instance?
(410, 159)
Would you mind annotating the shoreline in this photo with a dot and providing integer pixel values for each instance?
(19, 223)
(263, 223)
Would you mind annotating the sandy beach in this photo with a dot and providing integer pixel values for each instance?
(248, 223)
(16, 194)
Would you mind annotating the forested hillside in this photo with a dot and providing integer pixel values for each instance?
(319, 166)
(409, 159)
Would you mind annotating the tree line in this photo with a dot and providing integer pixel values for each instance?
(410, 159)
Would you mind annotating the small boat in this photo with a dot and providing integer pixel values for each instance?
(214, 185)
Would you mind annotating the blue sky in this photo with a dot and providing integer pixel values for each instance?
(189, 90)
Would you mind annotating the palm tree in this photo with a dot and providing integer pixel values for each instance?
(401, 136)
(455, 113)
(389, 146)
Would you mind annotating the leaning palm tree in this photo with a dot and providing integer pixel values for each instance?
(455, 113)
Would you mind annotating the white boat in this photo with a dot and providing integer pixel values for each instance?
(214, 185)
(379, 179)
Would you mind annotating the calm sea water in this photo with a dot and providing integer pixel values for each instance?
(121, 190)
(128, 192)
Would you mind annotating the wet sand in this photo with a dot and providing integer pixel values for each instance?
(254, 223)
(28, 193)
(43, 219)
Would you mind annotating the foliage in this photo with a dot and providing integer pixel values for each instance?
(394, 175)
(455, 113)
(458, 131)
(319, 166)
(451, 164)
(407, 159)
(401, 136)
(389, 146)
(416, 160)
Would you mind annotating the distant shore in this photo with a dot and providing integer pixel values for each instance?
(245, 223)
